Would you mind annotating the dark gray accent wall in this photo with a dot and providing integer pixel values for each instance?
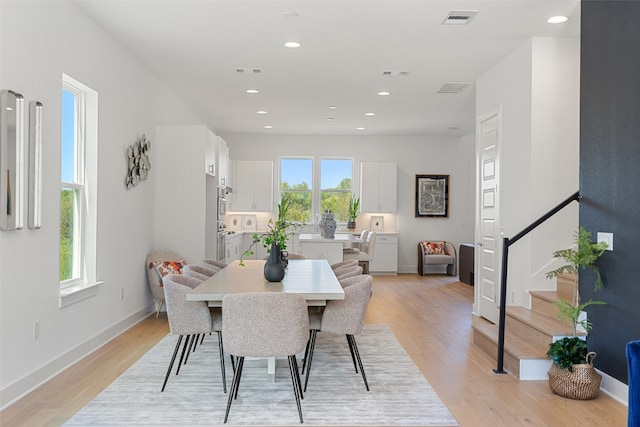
(610, 172)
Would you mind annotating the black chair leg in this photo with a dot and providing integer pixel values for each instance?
(184, 349)
(353, 356)
(191, 349)
(239, 366)
(295, 379)
(173, 359)
(222, 368)
(234, 387)
(355, 349)
(312, 346)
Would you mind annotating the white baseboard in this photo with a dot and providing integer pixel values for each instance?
(20, 388)
(614, 388)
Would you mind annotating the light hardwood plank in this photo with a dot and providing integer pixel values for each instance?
(431, 316)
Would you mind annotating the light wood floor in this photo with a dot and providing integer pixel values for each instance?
(431, 317)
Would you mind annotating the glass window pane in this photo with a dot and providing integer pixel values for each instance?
(300, 209)
(296, 174)
(335, 173)
(337, 203)
(68, 151)
(67, 232)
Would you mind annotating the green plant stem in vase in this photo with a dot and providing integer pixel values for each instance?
(277, 231)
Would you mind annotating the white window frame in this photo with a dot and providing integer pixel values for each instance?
(83, 283)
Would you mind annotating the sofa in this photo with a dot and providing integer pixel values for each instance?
(436, 252)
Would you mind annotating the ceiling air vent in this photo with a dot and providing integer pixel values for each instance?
(459, 17)
(396, 73)
(453, 88)
(248, 70)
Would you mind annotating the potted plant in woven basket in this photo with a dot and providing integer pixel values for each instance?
(572, 374)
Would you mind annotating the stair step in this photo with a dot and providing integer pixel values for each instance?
(514, 345)
(535, 327)
(564, 285)
(542, 302)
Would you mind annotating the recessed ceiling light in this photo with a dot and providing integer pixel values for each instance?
(252, 91)
(261, 112)
(289, 14)
(370, 114)
(360, 128)
(330, 119)
(453, 128)
(384, 93)
(557, 19)
(332, 107)
(292, 45)
(268, 127)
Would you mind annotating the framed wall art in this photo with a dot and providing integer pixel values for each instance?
(432, 196)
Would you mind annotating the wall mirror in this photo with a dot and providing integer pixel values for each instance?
(35, 164)
(11, 143)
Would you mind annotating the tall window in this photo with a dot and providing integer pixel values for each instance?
(336, 186)
(296, 179)
(78, 172)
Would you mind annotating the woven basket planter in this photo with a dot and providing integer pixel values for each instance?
(581, 384)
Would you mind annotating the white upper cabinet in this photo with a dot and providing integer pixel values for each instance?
(253, 186)
(223, 163)
(378, 186)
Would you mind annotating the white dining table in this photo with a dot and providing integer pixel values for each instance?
(312, 278)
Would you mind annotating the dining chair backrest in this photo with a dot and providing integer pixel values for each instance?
(353, 280)
(214, 263)
(207, 270)
(185, 317)
(347, 316)
(186, 271)
(264, 324)
(363, 236)
(345, 263)
(346, 273)
(371, 244)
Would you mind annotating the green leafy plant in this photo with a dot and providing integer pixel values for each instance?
(567, 352)
(354, 207)
(570, 350)
(277, 231)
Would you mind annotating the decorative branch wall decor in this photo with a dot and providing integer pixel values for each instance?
(139, 163)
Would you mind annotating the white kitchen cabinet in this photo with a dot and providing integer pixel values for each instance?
(223, 163)
(385, 256)
(233, 244)
(378, 186)
(253, 186)
(185, 219)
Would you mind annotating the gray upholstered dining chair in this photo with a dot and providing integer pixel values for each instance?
(200, 269)
(360, 246)
(190, 319)
(214, 263)
(345, 273)
(353, 280)
(342, 317)
(364, 256)
(265, 324)
(341, 264)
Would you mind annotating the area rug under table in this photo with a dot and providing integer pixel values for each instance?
(336, 395)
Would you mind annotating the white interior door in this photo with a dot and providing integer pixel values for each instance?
(488, 249)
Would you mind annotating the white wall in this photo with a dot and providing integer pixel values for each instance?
(39, 41)
(537, 89)
(414, 155)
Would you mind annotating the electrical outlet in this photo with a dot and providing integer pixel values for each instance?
(36, 330)
(607, 238)
(122, 293)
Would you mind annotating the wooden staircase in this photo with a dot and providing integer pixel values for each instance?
(528, 333)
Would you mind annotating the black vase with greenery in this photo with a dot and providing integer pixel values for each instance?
(274, 268)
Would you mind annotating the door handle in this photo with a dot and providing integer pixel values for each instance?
(479, 244)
